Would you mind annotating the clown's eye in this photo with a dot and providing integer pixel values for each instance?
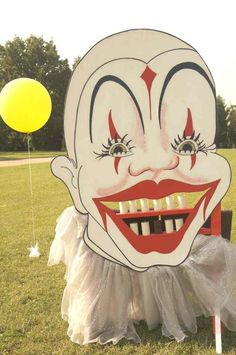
(116, 148)
(189, 145)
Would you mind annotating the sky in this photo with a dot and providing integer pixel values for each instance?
(75, 26)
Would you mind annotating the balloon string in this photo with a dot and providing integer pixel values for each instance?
(31, 188)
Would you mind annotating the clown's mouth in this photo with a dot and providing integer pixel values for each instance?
(147, 227)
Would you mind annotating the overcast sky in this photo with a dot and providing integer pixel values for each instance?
(75, 26)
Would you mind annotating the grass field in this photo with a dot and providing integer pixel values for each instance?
(31, 292)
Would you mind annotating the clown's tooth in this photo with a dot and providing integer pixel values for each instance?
(134, 227)
(144, 204)
(169, 224)
(145, 225)
(181, 201)
(169, 202)
(132, 206)
(181, 204)
(133, 209)
(178, 223)
(145, 228)
(157, 205)
(123, 207)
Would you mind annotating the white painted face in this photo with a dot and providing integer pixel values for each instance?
(144, 132)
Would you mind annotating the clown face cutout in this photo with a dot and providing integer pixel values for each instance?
(139, 130)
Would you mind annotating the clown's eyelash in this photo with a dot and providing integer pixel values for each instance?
(121, 143)
(193, 137)
(193, 142)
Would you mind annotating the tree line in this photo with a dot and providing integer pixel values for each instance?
(37, 59)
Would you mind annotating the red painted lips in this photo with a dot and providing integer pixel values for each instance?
(149, 189)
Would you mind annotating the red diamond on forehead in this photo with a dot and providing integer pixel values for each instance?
(148, 76)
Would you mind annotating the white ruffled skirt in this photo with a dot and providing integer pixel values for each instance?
(103, 300)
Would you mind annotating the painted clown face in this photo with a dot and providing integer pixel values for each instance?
(140, 128)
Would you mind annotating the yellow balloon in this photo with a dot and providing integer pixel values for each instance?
(25, 105)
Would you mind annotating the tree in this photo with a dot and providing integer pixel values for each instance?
(76, 62)
(231, 126)
(221, 123)
(37, 59)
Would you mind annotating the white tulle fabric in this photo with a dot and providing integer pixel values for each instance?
(102, 300)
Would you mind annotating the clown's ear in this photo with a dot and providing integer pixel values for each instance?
(65, 169)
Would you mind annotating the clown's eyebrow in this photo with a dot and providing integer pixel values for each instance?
(177, 68)
(95, 91)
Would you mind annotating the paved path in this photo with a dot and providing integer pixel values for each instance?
(6, 163)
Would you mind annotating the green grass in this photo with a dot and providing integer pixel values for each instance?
(31, 292)
(24, 155)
